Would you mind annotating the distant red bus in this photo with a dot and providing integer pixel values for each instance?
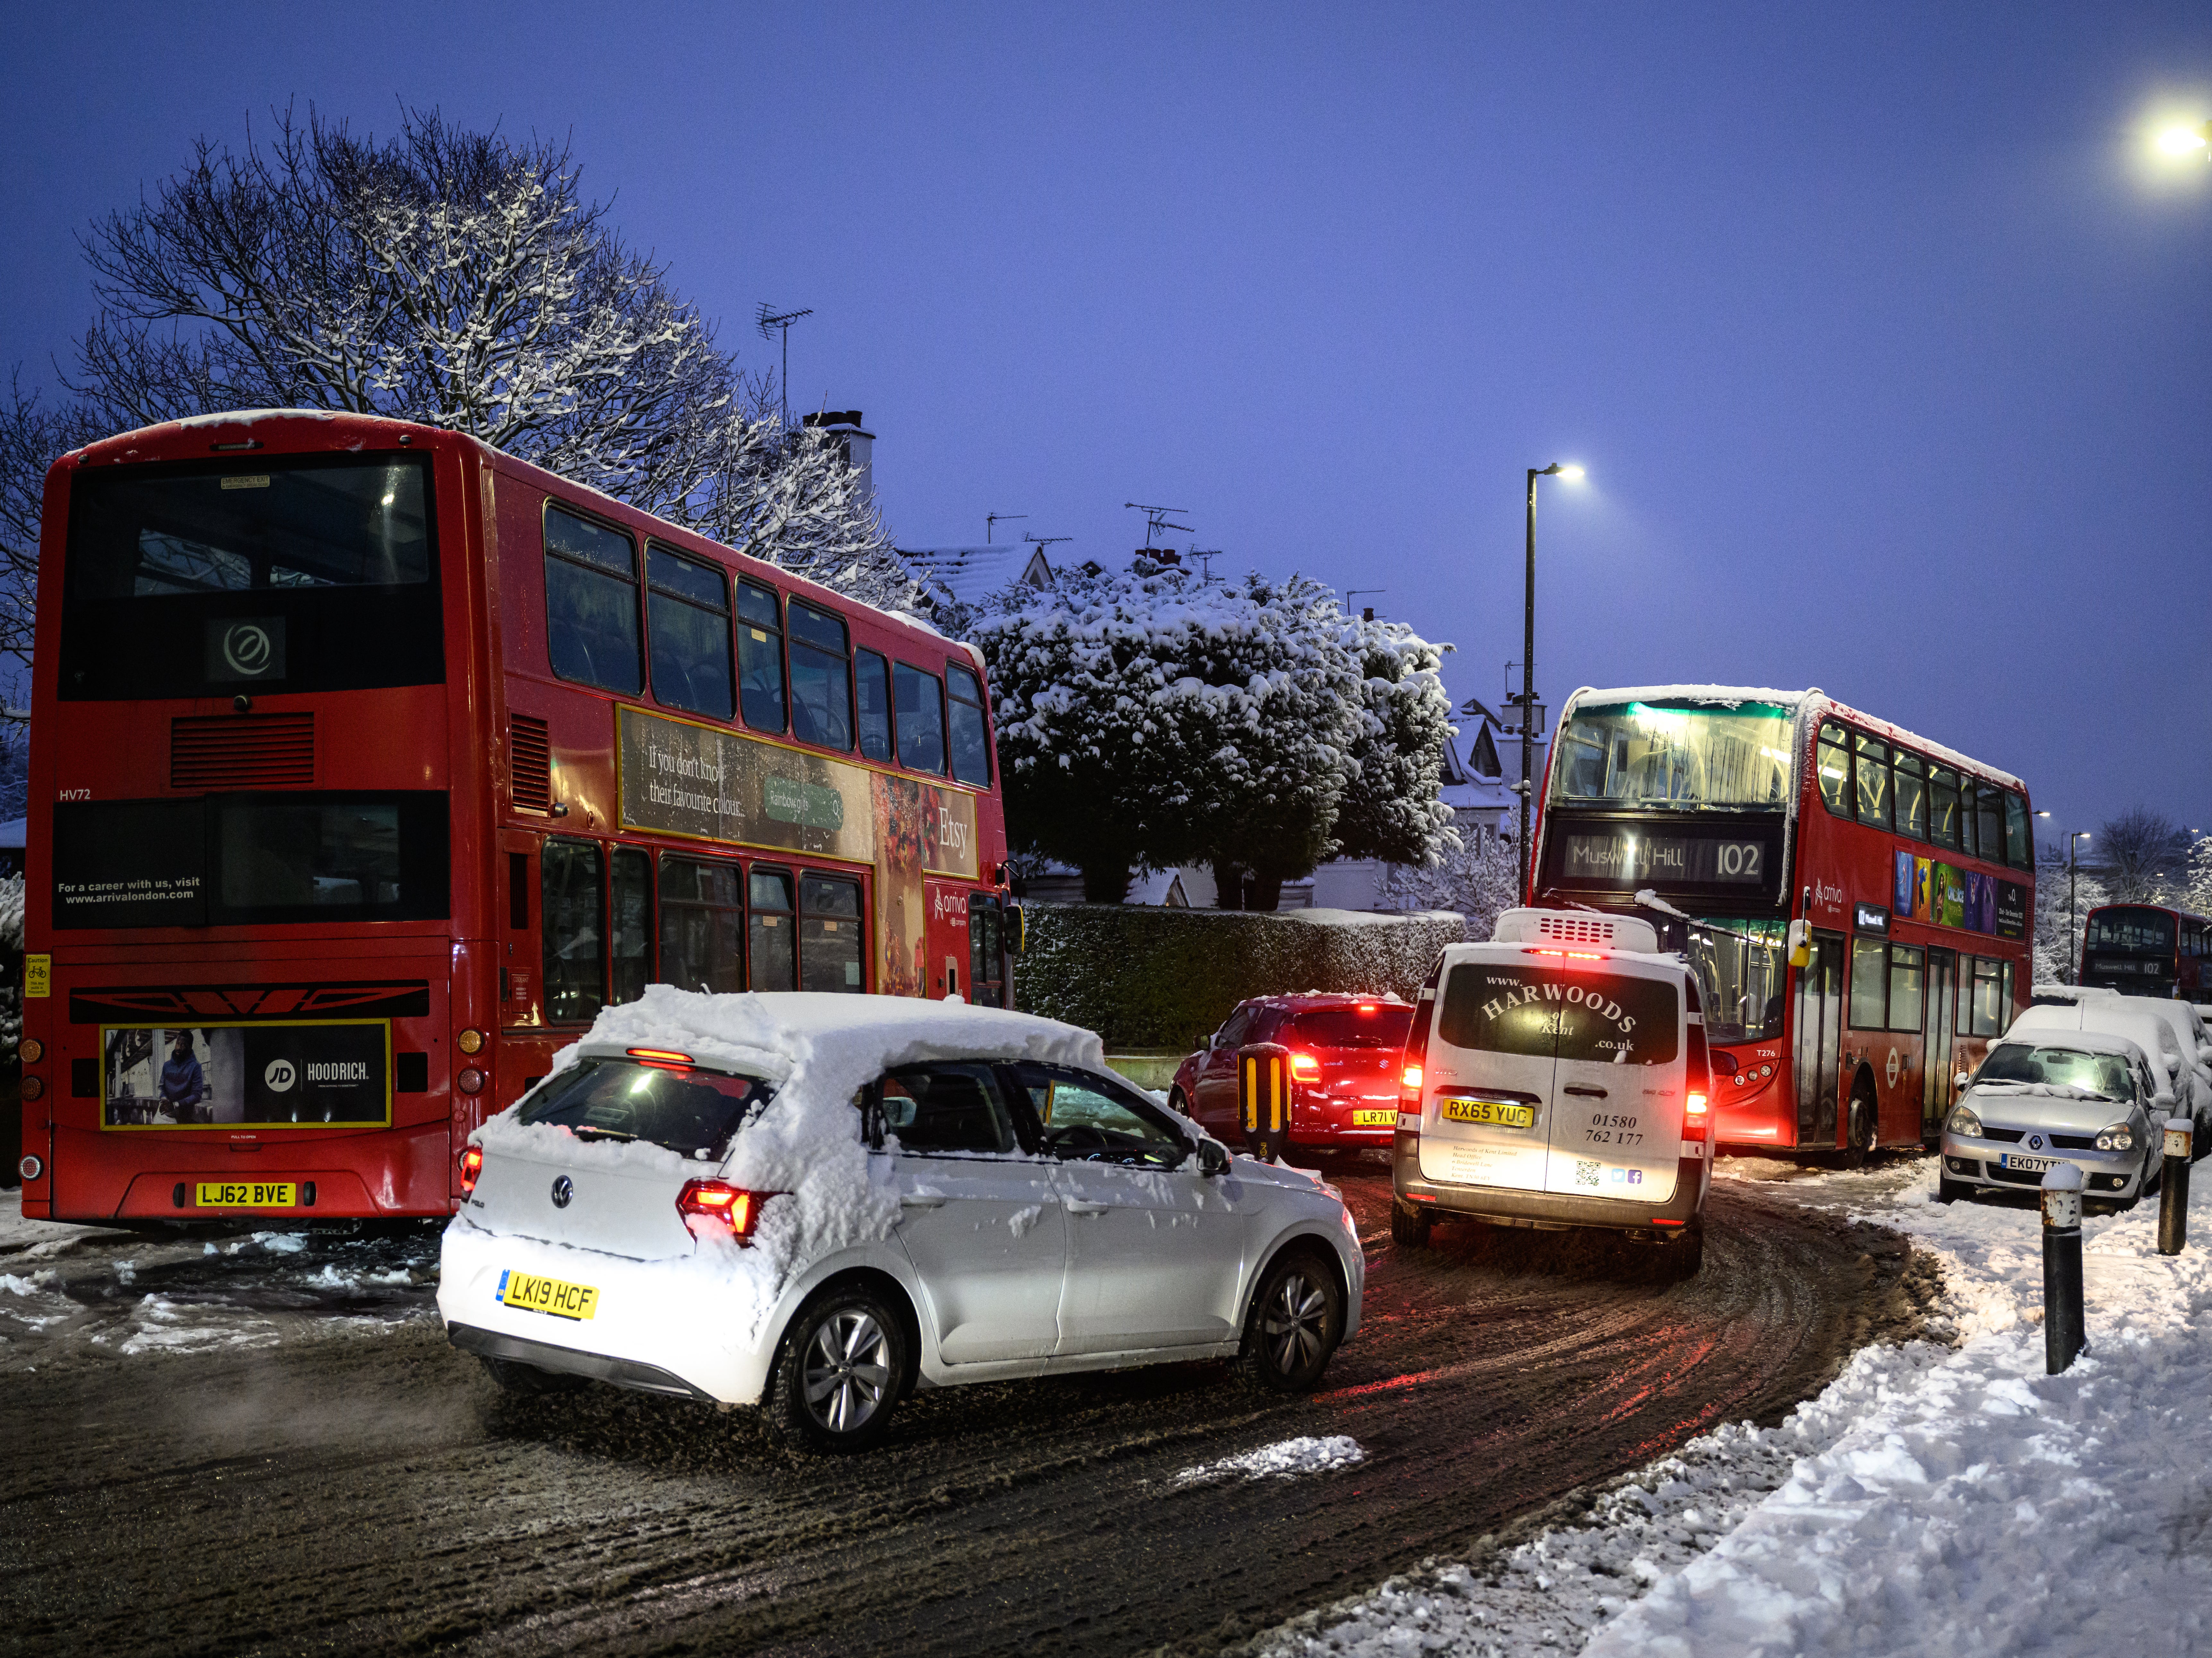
(1854, 900)
(368, 763)
(2146, 949)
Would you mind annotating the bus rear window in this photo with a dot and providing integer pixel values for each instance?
(2131, 928)
(694, 1113)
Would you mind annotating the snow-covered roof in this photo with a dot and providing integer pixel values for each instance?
(971, 574)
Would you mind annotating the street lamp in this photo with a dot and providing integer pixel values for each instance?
(2186, 139)
(1573, 475)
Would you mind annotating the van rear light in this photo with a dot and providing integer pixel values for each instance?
(1696, 1123)
(716, 1209)
(472, 1166)
(1305, 1068)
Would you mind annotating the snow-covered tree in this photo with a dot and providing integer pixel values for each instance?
(2057, 934)
(1391, 809)
(2142, 856)
(1480, 879)
(2199, 895)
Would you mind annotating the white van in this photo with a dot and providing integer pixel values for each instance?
(1557, 1077)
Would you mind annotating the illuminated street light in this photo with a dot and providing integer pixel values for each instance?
(1528, 698)
(2184, 139)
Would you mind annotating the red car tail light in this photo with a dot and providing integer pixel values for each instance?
(714, 1208)
(472, 1166)
(1305, 1068)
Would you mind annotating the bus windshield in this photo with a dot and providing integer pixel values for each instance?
(2131, 929)
(1740, 966)
(1655, 755)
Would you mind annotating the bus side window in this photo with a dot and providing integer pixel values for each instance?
(702, 925)
(571, 902)
(774, 944)
(1869, 985)
(1943, 805)
(1911, 795)
(630, 936)
(760, 656)
(872, 676)
(1835, 763)
(1906, 987)
(591, 603)
(919, 698)
(687, 607)
(2006, 1013)
(970, 730)
(1873, 778)
(821, 682)
(829, 953)
(1989, 822)
(2020, 846)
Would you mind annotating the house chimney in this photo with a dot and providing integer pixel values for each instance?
(857, 446)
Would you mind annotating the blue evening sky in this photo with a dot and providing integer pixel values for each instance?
(1887, 351)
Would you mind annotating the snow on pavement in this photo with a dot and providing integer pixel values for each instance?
(1932, 1499)
(1284, 1459)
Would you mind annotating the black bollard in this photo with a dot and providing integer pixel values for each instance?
(2173, 1187)
(1263, 1098)
(2064, 1333)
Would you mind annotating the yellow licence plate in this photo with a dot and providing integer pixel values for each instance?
(547, 1294)
(1388, 1119)
(1496, 1113)
(246, 1194)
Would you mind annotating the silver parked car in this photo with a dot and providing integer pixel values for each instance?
(2044, 1097)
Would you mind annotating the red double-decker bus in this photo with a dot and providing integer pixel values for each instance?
(368, 763)
(2148, 949)
(1854, 901)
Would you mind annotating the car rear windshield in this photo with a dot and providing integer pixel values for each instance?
(1370, 1024)
(2131, 929)
(2069, 1068)
(1547, 1012)
(695, 1112)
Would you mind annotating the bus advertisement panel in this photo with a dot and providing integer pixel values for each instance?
(368, 764)
(1854, 900)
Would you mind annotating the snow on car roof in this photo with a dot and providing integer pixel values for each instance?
(2025, 1033)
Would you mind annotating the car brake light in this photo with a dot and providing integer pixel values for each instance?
(714, 1208)
(1367, 1007)
(1305, 1068)
(661, 1059)
(472, 1166)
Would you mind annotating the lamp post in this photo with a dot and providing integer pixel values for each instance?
(1528, 655)
(2187, 141)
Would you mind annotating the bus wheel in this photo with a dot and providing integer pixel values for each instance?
(1859, 1146)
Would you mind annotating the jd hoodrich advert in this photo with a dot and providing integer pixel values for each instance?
(165, 1076)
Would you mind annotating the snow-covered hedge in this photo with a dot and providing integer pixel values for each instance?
(1145, 977)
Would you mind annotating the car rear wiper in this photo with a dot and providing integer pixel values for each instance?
(593, 1131)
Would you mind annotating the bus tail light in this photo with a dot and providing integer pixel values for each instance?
(472, 1166)
(714, 1208)
(33, 1088)
(30, 1167)
(470, 1081)
(1305, 1068)
(31, 1051)
(469, 1042)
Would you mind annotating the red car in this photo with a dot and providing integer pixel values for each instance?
(1345, 1054)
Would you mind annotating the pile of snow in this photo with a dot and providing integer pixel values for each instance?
(1931, 1499)
(819, 1050)
(1284, 1459)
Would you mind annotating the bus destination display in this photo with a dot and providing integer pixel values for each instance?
(1622, 860)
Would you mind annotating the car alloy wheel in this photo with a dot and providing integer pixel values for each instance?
(848, 1372)
(1293, 1326)
(1295, 1322)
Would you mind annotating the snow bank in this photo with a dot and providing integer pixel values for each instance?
(820, 1050)
(1931, 1499)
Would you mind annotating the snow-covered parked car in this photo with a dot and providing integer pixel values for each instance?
(2153, 1024)
(2046, 1096)
(817, 1203)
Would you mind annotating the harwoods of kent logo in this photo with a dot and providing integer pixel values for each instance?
(280, 1075)
(247, 648)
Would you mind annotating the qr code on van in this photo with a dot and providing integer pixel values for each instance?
(1586, 1174)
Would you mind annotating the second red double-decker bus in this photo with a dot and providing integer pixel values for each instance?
(2148, 949)
(1854, 899)
(368, 763)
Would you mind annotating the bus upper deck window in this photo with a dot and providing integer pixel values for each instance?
(872, 677)
(760, 656)
(1911, 772)
(2019, 845)
(820, 688)
(1872, 775)
(1943, 805)
(591, 603)
(1989, 822)
(688, 626)
(919, 698)
(1835, 764)
(970, 730)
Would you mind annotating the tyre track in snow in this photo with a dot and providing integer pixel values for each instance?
(357, 1493)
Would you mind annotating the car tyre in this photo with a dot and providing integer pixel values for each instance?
(1686, 1256)
(1950, 1191)
(1410, 1226)
(528, 1381)
(839, 1374)
(1296, 1321)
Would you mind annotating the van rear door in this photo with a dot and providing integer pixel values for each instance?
(1616, 1125)
(1489, 1074)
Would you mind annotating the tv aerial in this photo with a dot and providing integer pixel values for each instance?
(769, 320)
(1156, 519)
(992, 520)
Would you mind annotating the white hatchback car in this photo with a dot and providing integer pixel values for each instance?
(2043, 1096)
(818, 1203)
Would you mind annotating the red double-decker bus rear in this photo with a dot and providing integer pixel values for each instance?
(368, 763)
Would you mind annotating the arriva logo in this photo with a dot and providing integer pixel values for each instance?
(280, 1075)
(247, 648)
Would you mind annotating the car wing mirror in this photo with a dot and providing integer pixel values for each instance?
(1213, 1158)
(1961, 1080)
